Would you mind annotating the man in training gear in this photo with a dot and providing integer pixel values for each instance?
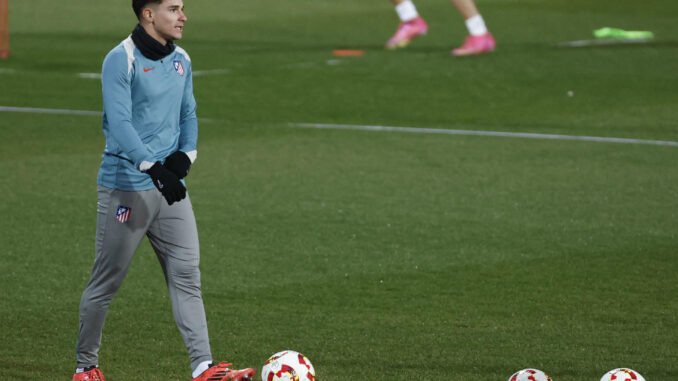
(151, 133)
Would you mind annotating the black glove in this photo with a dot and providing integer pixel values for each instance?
(167, 183)
(178, 163)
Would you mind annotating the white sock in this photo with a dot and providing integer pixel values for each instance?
(406, 11)
(201, 368)
(476, 25)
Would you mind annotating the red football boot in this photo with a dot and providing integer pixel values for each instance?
(221, 372)
(93, 374)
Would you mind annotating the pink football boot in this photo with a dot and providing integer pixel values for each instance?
(476, 45)
(406, 32)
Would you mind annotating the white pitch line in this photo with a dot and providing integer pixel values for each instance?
(90, 75)
(34, 110)
(604, 42)
(198, 73)
(525, 135)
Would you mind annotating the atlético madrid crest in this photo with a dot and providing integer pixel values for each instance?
(179, 67)
(123, 214)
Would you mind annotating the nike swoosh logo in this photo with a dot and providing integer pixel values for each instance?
(147, 70)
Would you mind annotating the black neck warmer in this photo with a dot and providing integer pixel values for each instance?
(149, 46)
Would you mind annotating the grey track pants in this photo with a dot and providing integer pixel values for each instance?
(172, 231)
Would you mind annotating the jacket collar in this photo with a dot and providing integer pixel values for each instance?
(149, 46)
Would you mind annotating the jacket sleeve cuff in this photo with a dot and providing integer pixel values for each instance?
(192, 155)
(145, 166)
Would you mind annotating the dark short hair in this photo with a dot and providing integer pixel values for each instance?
(138, 5)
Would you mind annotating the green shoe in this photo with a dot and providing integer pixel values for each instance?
(622, 34)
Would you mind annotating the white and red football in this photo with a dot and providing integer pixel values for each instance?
(622, 374)
(288, 366)
(530, 374)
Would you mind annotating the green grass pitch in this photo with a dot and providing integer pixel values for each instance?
(379, 255)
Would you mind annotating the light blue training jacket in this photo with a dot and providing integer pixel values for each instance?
(149, 113)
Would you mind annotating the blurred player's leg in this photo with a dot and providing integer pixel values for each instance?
(117, 237)
(411, 24)
(174, 237)
(479, 40)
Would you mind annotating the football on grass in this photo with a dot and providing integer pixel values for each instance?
(622, 374)
(288, 366)
(530, 375)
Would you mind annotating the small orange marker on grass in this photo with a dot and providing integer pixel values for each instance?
(348, 53)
